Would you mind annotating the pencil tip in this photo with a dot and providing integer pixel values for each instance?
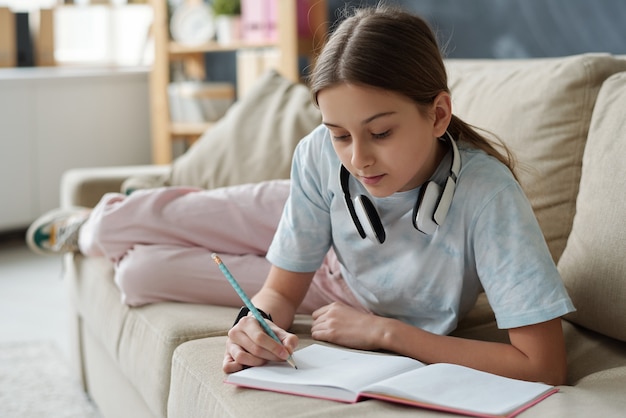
(292, 363)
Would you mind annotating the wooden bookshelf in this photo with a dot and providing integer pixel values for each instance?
(168, 51)
(178, 50)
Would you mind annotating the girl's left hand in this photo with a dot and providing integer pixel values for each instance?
(343, 325)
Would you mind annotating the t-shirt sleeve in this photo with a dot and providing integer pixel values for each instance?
(303, 236)
(514, 264)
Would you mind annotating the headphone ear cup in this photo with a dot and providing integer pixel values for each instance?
(365, 209)
(445, 201)
(424, 210)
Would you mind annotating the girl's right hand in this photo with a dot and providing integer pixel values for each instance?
(249, 345)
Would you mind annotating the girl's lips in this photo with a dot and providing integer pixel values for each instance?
(371, 180)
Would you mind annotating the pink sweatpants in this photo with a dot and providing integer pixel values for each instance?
(161, 240)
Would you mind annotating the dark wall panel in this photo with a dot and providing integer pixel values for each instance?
(518, 28)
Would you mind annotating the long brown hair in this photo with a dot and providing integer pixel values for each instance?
(391, 49)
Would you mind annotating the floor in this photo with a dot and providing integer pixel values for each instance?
(32, 297)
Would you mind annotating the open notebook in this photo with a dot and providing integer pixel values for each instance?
(350, 376)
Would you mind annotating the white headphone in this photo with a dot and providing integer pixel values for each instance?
(430, 209)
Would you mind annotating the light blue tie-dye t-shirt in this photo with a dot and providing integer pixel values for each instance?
(490, 241)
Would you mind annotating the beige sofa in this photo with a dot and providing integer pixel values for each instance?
(565, 118)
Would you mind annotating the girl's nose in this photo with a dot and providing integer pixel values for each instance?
(362, 155)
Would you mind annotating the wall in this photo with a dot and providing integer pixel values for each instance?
(54, 119)
(497, 28)
(518, 28)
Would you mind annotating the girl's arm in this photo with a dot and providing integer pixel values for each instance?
(536, 352)
(248, 344)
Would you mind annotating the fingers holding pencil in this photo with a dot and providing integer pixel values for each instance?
(276, 348)
(249, 345)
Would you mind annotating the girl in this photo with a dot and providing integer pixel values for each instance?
(397, 215)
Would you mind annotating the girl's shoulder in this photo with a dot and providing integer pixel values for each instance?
(316, 146)
(483, 180)
(314, 158)
(479, 167)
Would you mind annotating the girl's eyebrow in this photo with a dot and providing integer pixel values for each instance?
(364, 122)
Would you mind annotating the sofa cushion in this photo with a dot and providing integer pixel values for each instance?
(597, 370)
(541, 109)
(254, 141)
(141, 340)
(593, 265)
(195, 371)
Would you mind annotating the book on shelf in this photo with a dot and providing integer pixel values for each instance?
(42, 31)
(24, 40)
(258, 20)
(351, 376)
(252, 64)
(8, 51)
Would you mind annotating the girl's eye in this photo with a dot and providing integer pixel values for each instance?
(381, 135)
(341, 137)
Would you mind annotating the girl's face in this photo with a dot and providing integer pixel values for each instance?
(382, 138)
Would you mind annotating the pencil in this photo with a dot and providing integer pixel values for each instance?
(246, 300)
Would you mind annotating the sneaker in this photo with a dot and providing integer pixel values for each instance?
(56, 232)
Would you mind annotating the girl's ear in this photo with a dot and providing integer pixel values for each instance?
(442, 106)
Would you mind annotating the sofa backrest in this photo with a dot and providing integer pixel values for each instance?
(593, 265)
(541, 109)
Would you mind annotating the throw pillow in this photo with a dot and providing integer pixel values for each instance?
(593, 265)
(541, 109)
(254, 141)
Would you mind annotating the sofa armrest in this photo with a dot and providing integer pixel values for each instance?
(85, 186)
